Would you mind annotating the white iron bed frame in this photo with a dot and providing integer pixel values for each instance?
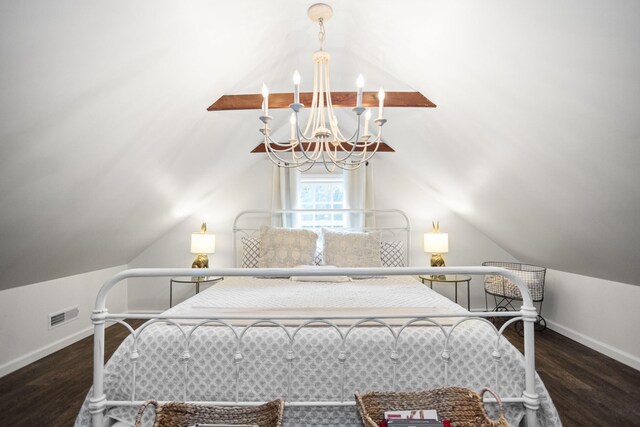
(98, 402)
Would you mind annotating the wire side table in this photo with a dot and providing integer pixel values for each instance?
(191, 280)
(450, 278)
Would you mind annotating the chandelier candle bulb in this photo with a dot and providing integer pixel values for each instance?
(360, 85)
(296, 87)
(265, 102)
(367, 117)
(381, 102)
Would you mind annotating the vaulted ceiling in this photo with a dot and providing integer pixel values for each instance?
(106, 144)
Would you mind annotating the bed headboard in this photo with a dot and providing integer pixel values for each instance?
(393, 224)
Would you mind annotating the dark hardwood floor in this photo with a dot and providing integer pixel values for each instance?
(588, 389)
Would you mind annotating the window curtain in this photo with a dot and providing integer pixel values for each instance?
(359, 194)
(284, 195)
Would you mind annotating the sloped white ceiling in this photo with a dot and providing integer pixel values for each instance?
(105, 142)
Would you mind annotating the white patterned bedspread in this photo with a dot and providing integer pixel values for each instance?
(316, 368)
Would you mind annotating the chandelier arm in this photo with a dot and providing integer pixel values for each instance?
(300, 136)
(366, 144)
(317, 105)
(314, 101)
(324, 160)
(348, 166)
(272, 152)
(285, 164)
(275, 158)
(287, 146)
(353, 146)
(364, 156)
(333, 155)
(355, 164)
(333, 120)
(331, 151)
(356, 134)
(350, 152)
(321, 99)
(299, 159)
(302, 159)
(314, 154)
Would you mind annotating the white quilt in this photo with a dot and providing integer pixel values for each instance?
(316, 365)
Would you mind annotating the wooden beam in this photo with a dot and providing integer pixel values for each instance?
(338, 99)
(383, 148)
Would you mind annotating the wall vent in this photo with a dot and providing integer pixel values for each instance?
(62, 317)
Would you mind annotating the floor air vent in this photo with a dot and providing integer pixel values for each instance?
(62, 317)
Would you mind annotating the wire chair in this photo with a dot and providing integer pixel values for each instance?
(504, 291)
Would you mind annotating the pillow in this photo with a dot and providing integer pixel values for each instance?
(250, 252)
(343, 249)
(392, 254)
(285, 248)
(320, 278)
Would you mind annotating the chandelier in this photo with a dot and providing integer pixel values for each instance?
(322, 139)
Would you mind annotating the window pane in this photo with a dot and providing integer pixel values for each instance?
(321, 192)
(338, 194)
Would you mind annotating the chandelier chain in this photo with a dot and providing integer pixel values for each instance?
(321, 34)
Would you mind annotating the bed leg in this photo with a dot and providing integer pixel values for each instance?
(97, 401)
(531, 399)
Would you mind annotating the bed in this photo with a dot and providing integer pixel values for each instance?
(313, 336)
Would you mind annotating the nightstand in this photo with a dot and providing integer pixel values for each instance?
(193, 281)
(450, 278)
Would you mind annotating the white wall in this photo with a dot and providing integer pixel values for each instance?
(600, 314)
(237, 192)
(397, 188)
(24, 330)
(253, 191)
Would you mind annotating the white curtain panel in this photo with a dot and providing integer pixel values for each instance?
(284, 195)
(360, 194)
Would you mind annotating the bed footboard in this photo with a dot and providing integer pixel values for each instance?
(344, 327)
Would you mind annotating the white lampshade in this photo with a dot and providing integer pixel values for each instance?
(203, 243)
(436, 243)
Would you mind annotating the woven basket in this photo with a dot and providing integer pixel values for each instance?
(462, 406)
(181, 414)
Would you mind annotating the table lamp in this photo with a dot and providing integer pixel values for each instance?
(437, 243)
(202, 243)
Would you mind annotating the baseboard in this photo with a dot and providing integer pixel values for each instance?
(606, 349)
(614, 353)
(22, 361)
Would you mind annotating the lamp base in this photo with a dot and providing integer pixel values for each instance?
(202, 261)
(437, 260)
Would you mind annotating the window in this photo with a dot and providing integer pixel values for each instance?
(321, 191)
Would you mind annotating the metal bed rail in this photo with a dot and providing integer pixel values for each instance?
(527, 313)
